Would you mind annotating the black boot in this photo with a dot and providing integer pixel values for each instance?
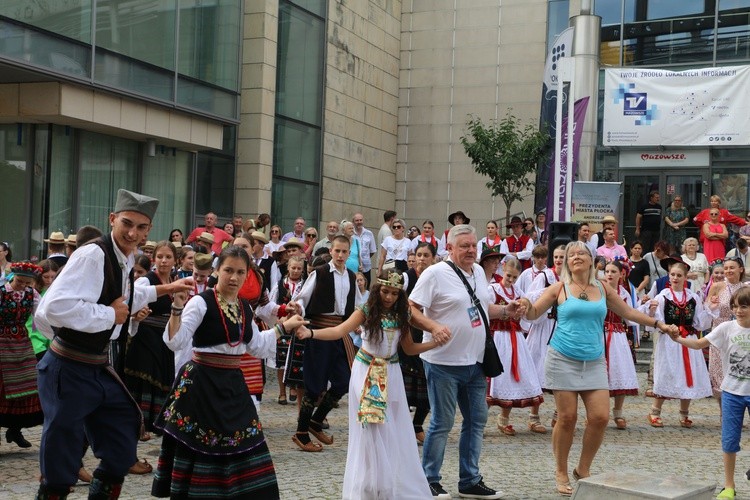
(46, 492)
(15, 436)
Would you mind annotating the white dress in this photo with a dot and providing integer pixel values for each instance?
(382, 460)
(505, 390)
(623, 380)
(670, 372)
(540, 330)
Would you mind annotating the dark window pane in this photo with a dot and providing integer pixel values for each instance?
(70, 19)
(214, 185)
(292, 200)
(296, 151)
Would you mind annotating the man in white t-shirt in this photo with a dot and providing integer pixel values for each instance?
(441, 306)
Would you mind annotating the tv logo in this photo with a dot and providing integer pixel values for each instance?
(634, 104)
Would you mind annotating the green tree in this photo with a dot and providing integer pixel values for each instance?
(506, 153)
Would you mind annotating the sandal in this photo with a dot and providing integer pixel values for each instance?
(322, 436)
(655, 420)
(281, 400)
(145, 436)
(508, 430)
(649, 394)
(621, 423)
(536, 426)
(564, 489)
(309, 446)
(686, 422)
(140, 467)
(293, 397)
(577, 476)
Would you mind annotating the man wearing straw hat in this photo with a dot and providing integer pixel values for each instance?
(56, 248)
(88, 304)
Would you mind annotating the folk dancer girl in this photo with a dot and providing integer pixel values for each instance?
(623, 380)
(492, 239)
(19, 400)
(518, 386)
(213, 445)
(540, 330)
(428, 236)
(412, 369)
(149, 364)
(282, 293)
(382, 460)
(678, 372)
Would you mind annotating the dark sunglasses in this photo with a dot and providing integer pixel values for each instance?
(311, 235)
(398, 226)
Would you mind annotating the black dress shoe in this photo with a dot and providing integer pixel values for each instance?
(15, 436)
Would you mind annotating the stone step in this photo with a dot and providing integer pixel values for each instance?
(634, 485)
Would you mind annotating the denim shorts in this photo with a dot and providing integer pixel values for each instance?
(732, 413)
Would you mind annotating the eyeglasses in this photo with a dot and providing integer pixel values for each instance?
(275, 231)
(397, 226)
(311, 235)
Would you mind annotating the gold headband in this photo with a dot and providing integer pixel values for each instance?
(394, 280)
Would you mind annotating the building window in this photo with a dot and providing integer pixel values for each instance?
(299, 112)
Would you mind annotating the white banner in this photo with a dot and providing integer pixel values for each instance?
(563, 47)
(657, 107)
(638, 158)
(593, 200)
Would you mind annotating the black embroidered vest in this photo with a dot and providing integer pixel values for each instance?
(98, 342)
(323, 299)
(212, 329)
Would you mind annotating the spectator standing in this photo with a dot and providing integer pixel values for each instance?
(518, 245)
(715, 235)
(454, 219)
(492, 239)
(698, 273)
(740, 251)
(385, 230)
(298, 232)
(648, 221)
(56, 248)
(639, 275)
(676, 217)
(367, 245)
(597, 240)
(274, 242)
(661, 251)
(332, 229)
(611, 250)
(584, 236)
(395, 248)
(219, 235)
(428, 236)
(442, 307)
(541, 227)
(725, 216)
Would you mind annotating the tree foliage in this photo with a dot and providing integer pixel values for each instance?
(506, 153)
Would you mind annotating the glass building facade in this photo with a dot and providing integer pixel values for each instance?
(176, 54)
(298, 124)
(675, 35)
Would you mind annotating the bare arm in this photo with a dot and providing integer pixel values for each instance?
(544, 302)
(334, 332)
(381, 261)
(638, 218)
(440, 333)
(619, 307)
(700, 343)
(413, 348)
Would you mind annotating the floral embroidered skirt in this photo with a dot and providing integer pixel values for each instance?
(213, 444)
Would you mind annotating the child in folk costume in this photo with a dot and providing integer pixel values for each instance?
(282, 293)
(540, 330)
(518, 386)
(623, 380)
(731, 338)
(202, 269)
(382, 458)
(678, 372)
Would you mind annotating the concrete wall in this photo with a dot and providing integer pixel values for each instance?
(461, 58)
(256, 130)
(361, 109)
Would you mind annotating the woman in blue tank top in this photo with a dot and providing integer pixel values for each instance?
(575, 363)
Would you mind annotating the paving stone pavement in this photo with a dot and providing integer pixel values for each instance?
(522, 466)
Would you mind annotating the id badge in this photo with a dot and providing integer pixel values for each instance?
(474, 316)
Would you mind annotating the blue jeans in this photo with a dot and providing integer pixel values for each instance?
(446, 387)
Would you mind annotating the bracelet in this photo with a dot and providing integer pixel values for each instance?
(656, 322)
(176, 312)
(312, 333)
(174, 308)
(279, 330)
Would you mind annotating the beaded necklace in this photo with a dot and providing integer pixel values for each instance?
(235, 312)
(681, 304)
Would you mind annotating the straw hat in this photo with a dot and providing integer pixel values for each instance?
(56, 238)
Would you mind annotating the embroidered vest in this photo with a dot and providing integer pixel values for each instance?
(212, 330)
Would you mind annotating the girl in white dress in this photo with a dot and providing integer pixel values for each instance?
(540, 330)
(623, 380)
(518, 386)
(382, 460)
(678, 371)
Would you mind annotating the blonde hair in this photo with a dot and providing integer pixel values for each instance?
(689, 240)
(565, 275)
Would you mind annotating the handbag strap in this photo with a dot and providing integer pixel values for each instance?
(473, 296)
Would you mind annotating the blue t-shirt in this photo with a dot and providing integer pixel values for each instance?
(579, 333)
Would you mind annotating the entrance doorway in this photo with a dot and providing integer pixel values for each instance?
(692, 186)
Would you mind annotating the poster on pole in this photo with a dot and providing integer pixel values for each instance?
(593, 200)
(658, 107)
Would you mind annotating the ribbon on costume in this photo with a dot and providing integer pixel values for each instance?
(686, 358)
(374, 398)
(514, 352)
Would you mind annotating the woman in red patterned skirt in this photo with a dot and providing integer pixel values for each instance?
(19, 398)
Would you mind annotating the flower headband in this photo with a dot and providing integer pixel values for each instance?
(25, 269)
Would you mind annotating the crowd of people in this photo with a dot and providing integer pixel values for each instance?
(115, 338)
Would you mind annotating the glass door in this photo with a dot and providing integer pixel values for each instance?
(691, 185)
